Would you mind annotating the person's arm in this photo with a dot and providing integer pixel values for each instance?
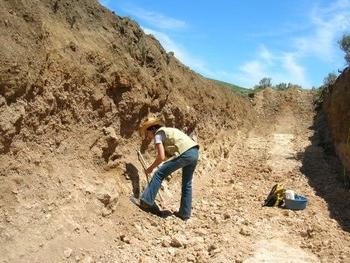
(159, 159)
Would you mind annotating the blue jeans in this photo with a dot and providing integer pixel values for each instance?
(187, 161)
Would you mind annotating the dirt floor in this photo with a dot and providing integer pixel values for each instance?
(228, 224)
(75, 82)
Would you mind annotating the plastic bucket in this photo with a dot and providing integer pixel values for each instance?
(298, 203)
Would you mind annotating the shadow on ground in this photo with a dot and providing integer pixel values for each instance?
(133, 174)
(325, 172)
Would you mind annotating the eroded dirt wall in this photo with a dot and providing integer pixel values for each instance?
(337, 109)
(73, 67)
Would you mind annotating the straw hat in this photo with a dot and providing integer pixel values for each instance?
(149, 122)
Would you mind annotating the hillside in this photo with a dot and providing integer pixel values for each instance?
(62, 78)
(236, 89)
(76, 80)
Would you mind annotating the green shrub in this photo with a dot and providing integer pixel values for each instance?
(345, 46)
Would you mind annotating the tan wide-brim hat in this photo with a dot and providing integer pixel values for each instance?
(151, 121)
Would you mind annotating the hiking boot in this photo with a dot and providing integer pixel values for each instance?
(153, 209)
(184, 218)
(144, 205)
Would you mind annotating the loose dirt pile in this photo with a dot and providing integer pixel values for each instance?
(75, 82)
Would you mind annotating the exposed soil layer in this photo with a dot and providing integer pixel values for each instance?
(337, 110)
(75, 82)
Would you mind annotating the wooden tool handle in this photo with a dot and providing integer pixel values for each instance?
(145, 166)
(142, 161)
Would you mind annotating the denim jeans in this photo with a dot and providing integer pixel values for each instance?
(187, 161)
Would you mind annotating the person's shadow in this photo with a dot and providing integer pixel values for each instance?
(133, 174)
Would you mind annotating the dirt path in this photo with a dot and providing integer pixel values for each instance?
(230, 225)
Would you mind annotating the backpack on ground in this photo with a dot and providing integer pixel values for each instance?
(276, 196)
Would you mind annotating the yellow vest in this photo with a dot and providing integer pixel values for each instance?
(176, 142)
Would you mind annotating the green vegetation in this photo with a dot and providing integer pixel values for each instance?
(345, 46)
(266, 83)
(236, 89)
(263, 84)
(329, 80)
(325, 88)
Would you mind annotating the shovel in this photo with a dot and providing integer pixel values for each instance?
(144, 165)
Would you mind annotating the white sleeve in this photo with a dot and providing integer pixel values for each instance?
(159, 137)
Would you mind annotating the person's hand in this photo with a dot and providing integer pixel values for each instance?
(149, 170)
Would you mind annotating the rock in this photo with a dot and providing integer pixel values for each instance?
(201, 232)
(286, 213)
(87, 259)
(165, 243)
(109, 200)
(195, 241)
(211, 248)
(110, 133)
(175, 243)
(245, 232)
(191, 258)
(125, 239)
(68, 252)
(106, 212)
(104, 198)
(171, 251)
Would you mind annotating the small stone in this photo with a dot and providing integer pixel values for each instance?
(165, 243)
(191, 258)
(106, 212)
(171, 251)
(201, 232)
(87, 259)
(286, 213)
(227, 216)
(125, 239)
(68, 252)
(244, 232)
(175, 243)
(211, 248)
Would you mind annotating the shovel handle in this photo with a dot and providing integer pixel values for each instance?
(142, 160)
(145, 166)
(143, 163)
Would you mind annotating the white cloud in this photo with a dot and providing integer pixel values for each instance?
(252, 72)
(156, 19)
(325, 26)
(266, 55)
(279, 67)
(329, 24)
(294, 71)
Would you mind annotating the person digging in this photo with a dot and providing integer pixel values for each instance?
(176, 150)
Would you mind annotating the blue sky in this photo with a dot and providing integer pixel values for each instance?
(241, 42)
